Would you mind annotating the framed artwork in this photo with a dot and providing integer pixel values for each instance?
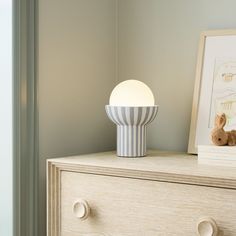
(215, 86)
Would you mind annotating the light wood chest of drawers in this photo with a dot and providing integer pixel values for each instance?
(161, 194)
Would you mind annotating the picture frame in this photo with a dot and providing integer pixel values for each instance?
(215, 85)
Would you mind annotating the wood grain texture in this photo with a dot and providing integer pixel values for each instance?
(162, 194)
(217, 155)
(53, 200)
(158, 165)
(125, 207)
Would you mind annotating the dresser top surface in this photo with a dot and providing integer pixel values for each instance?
(166, 166)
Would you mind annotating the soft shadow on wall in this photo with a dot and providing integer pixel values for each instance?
(76, 73)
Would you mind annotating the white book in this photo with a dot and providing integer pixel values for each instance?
(217, 155)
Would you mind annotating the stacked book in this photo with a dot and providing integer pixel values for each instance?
(217, 155)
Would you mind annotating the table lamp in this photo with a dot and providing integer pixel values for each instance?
(131, 108)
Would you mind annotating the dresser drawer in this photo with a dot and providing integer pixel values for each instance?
(134, 207)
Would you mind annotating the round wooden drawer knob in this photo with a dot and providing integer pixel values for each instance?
(81, 209)
(207, 227)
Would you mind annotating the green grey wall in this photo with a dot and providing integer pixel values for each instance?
(158, 43)
(76, 73)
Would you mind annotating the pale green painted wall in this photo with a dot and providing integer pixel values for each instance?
(76, 71)
(158, 42)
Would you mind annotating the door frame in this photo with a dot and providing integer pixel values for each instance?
(25, 119)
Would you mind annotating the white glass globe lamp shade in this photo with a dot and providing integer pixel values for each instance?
(131, 107)
(131, 93)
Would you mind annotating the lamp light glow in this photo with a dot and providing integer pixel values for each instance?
(131, 108)
(132, 93)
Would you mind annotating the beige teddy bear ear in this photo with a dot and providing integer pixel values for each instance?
(220, 120)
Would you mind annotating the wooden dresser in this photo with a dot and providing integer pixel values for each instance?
(162, 194)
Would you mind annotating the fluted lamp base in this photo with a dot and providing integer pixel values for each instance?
(131, 128)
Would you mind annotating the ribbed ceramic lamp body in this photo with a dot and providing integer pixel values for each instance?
(131, 128)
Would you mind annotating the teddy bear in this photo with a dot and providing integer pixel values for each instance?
(221, 137)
